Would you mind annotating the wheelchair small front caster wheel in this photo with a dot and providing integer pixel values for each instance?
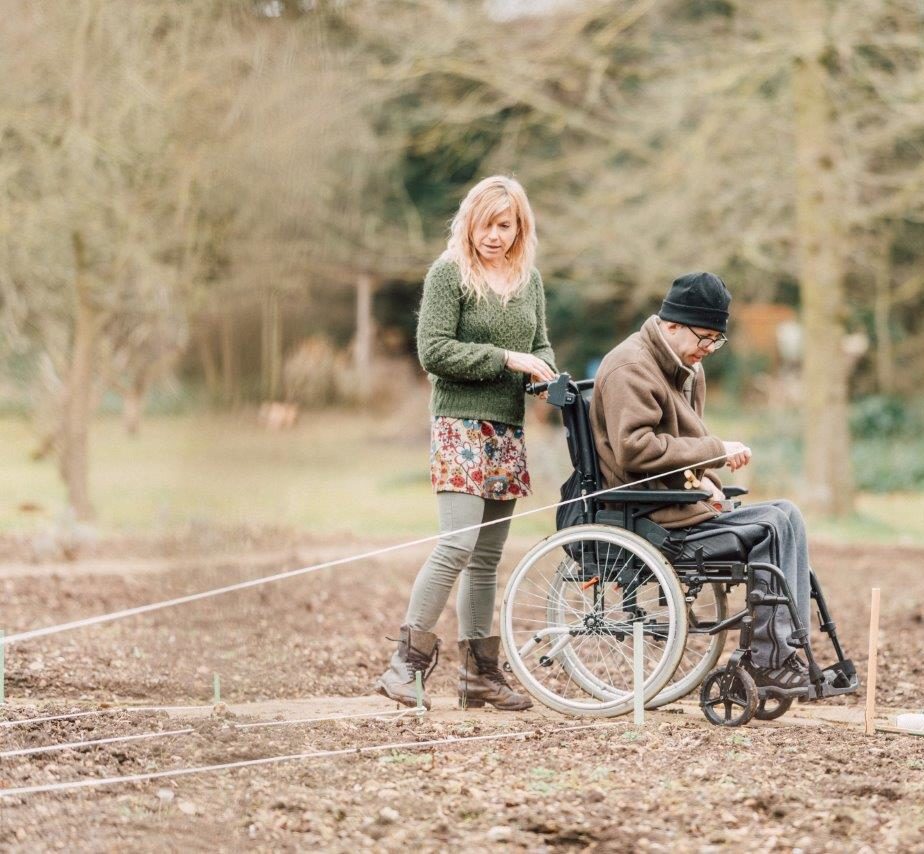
(771, 708)
(728, 697)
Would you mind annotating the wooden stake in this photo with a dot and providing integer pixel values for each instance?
(872, 662)
(418, 687)
(2, 668)
(216, 685)
(638, 649)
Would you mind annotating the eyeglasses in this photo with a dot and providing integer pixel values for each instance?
(704, 342)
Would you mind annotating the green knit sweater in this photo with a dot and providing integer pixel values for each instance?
(461, 342)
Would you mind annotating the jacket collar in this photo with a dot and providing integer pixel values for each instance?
(668, 361)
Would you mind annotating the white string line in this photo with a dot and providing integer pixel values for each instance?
(292, 573)
(95, 742)
(398, 713)
(292, 757)
(108, 711)
(72, 716)
(49, 748)
(115, 709)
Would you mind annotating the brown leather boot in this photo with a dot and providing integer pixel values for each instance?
(416, 650)
(481, 680)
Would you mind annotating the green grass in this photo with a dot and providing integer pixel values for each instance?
(895, 517)
(333, 473)
(336, 472)
(883, 512)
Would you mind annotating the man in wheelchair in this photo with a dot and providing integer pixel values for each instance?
(646, 418)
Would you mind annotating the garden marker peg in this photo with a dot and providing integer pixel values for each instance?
(638, 675)
(872, 662)
(418, 686)
(216, 684)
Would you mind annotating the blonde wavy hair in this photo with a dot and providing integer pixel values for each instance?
(488, 198)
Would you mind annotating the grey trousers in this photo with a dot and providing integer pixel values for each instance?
(779, 529)
(472, 554)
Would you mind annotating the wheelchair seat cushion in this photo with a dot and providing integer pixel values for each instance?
(718, 542)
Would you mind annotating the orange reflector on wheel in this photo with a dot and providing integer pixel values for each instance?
(590, 583)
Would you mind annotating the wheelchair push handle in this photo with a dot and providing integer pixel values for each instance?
(561, 390)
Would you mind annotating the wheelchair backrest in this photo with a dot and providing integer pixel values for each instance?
(576, 417)
(565, 394)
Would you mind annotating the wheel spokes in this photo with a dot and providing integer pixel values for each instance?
(570, 621)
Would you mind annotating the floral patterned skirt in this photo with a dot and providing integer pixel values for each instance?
(483, 458)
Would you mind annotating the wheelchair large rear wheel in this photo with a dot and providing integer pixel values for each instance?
(702, 652)
(568, 617)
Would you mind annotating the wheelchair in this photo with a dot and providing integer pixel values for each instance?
(570, 607)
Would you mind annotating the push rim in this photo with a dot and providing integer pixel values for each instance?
(568, 614)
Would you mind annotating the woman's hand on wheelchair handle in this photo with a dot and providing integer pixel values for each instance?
(527, 363)
(737, 455)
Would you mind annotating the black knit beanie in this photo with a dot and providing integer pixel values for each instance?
(697, 299)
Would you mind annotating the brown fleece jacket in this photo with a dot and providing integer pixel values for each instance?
(643, 422)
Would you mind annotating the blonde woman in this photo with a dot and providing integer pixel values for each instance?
(481, 336)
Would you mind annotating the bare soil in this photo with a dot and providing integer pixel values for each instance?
(312, 646)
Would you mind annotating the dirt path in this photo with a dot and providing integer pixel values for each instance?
(445, 708)
(811, 781)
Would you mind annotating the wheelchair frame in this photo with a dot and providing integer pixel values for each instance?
(730, 686)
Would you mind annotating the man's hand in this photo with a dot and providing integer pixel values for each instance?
(717, 494)
(527, 363)
(737, 455)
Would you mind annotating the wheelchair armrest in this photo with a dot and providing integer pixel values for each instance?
(734, 491)
(654, 496)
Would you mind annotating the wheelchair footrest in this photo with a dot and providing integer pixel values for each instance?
(840, 678)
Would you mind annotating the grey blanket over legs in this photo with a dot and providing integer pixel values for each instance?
(778, 530)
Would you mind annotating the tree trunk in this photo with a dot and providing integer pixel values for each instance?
(272, 346)
(207, 360)
(820, 244)
(77, 393)
(228, 361)
(882, 315)
(362, 344)
(132, 408)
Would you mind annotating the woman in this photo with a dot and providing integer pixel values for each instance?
(481, 335)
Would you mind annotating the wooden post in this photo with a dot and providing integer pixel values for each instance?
(638, 659)
(871, 663)
(418, 687)
(362, 343)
